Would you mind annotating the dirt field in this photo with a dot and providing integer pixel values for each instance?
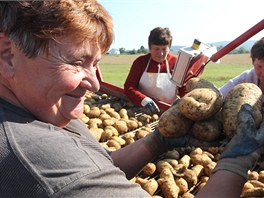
(128, 59)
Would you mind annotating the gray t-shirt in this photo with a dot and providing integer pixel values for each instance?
(38, 159)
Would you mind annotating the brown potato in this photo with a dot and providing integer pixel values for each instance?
(94, 112)
(197, 82)
(239, 95)
(151, 186)
(200, 104)
(121, 126)
(207, 130)
(149, 169)
(173, 123)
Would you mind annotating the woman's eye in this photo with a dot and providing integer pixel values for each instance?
(80, 64)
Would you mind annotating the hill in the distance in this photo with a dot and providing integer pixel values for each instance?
(247, 45)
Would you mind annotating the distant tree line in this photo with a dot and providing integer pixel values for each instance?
(240, 50)
(143, 50)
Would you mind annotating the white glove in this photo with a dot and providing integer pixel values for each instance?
(150, 106)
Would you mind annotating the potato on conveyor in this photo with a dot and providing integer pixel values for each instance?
(239, 95)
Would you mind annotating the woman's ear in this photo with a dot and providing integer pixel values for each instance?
(6, 66)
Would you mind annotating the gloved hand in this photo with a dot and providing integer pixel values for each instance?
(150, 107)
(247, 138)
(161, 144)
(245, 148)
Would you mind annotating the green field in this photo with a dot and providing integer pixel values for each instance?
(115, 68)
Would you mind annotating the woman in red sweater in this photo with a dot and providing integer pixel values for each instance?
(150, 74)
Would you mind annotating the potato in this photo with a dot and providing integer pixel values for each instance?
(253, 175)
(161, 165)
(198, 169)
(84, 118)
(207, 130)
(86, 108)
(173, 162)
(106, 134)
(112, 129)
(96, 132)
(201, 103)
(168, 185)
(182, 184)
(173, 123)
(94, 112)
(208, 168)
(173, 154)
(239, 95)
(151, 186)
(104, 116)
(201, 159)
(131, 124)
(261, 176)
(123, 113)
(113, 143)
(187, 195)
(185, 160)
(141, 133)
(108, 122)
(197, 82)
(190, 176)
(149, 169)
(118, 139)
(121, 126)
(114, 114)
(141, 181)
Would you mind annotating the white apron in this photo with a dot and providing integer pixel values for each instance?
(158, 85)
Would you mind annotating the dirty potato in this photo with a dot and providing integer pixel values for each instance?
(200, 103)
(239, 95)
(173, 123)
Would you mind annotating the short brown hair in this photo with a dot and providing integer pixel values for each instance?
(33, 24)
(257, 50)
(160, 36)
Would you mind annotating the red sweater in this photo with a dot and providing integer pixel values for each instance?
(136, 71)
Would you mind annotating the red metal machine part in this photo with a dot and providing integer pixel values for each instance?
(195, 69)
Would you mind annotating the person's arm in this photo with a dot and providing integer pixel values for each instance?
(132, 158)
(132, 81)
(247, 76)
(219, 186)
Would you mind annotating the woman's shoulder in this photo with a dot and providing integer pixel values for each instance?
(142, 58)
(171, 56)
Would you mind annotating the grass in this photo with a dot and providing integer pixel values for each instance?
(220, 74)
(115, 68)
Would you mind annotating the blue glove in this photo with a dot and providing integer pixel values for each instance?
(150, 107)
(187, 140)
(247, 139)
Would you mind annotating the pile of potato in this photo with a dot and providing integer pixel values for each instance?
(115, 123)
(181, 172)
(198, 112)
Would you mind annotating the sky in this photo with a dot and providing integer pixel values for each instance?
(207, 20)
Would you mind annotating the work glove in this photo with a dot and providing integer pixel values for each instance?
(150, 107)
(245, 148)
(160, 144)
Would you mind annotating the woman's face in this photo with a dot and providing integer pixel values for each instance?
(259, 68)
(53, 86)
(159, 52)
